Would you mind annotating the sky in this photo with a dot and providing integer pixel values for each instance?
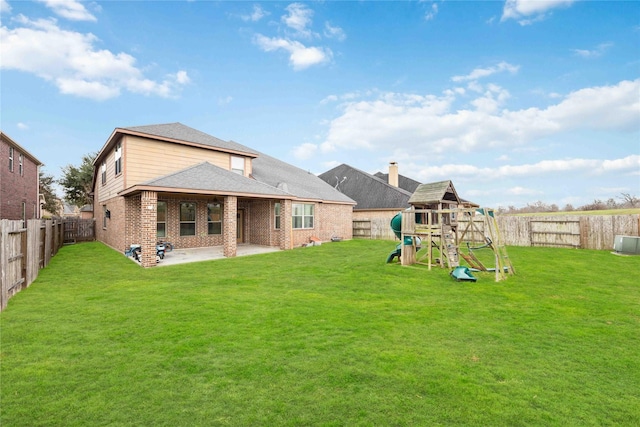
(515, 101)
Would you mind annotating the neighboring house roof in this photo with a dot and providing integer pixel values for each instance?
(404, 182)
(28, 155)
(367, 190)
(434, 192)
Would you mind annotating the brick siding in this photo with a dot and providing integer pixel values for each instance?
(16, 189)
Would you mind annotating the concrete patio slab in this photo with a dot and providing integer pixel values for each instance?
(181, 256)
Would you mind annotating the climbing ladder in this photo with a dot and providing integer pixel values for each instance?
(492, 232)
(450, 249)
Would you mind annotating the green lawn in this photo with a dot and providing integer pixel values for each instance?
(323, 336)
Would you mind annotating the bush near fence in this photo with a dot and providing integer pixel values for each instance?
(25, 250)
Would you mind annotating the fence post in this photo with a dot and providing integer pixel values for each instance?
(33, 250)
(4, 264)
(47, 242)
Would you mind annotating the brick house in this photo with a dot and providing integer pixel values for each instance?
(381, 196)
(19, 181)
(175, 183)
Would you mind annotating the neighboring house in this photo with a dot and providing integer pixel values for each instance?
(381, 196)
(19, 181)
(86, 212)
(378, 200)
(175, 183)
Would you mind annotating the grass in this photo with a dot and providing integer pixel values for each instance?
(328, 335)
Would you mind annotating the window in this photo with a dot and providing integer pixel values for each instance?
(214, 218)
(237, 165)
(21, 164)
(118, 156)
(104, 216)
(302, 215)
(161, 224)
(276, 215)
(187, 219)
(103, 172)
(24, 214)
(10, 159)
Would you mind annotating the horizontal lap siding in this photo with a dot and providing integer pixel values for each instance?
(149, 159)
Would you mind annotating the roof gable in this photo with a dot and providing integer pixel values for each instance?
(182, 133)
(435, 192)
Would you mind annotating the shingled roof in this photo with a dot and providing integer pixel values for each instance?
(434, 192)
(367, 190)
(404, 182)
(179, 132)
(294, 180)
(270, 177)
(206, 177)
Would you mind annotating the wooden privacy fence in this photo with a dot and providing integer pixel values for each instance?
(569, 231)
(25, 250)
(572, 231)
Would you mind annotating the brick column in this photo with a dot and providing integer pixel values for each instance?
(286, 225)
(229, 224)
(148, 219)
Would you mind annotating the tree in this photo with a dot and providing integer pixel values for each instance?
(76, 181)
(630, 200)
(51, 200)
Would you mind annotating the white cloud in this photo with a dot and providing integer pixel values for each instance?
(69, 9)
(298, 18)
(71, 61)
(542, 168)
(257, 14)
(300, 56)
(593, 53)
(529, 11)
(431, 13)
(5, 7)
(22, 126)
(521, 191)
(435, 124)
(305, 151)
(332, 32)
(224, 101)
(479, 73)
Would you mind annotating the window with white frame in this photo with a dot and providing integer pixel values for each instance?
(118, 158)
(103, 172)
(10, 159)
(104, 216)
(302, 216)
(276, 215)
(161, 221)
(237, 165)
(21, 164)
(214, 218)
(187, 219)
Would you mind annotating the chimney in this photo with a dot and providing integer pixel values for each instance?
(393, 174)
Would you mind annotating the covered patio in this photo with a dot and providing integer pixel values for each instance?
(183, 256)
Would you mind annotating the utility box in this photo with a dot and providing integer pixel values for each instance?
(628, 245)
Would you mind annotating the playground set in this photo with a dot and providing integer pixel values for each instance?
(440, 237)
